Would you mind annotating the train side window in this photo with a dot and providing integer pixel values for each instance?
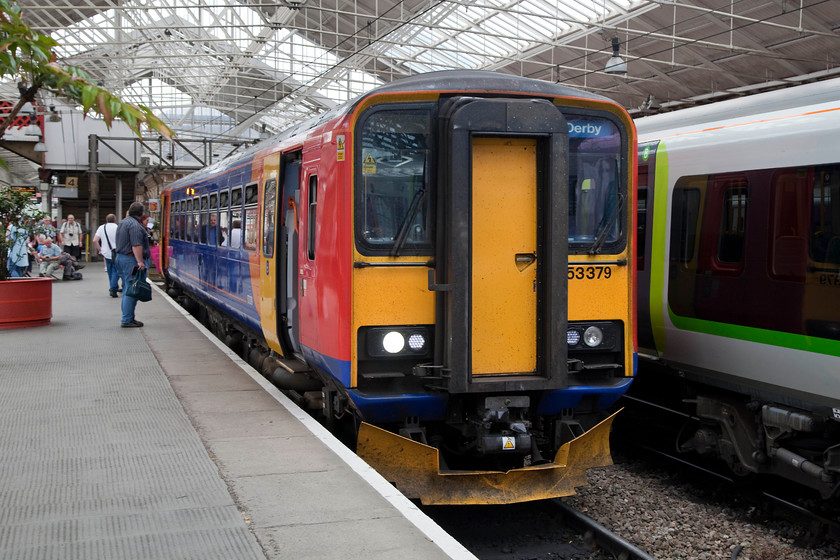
(224, 209)
(733, 223)
(685, 214)
(182, 224)
(213, 220)
(825, 216)
(236, 218)
(172, 220)
(789, 224)
(269, 213)
(196, 209)
(641, 217)
(189, 221)
(179, 233)
(313, 206)
(203, 219)
(249, 226)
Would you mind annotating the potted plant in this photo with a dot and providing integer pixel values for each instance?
(29, 58)
(24, 302)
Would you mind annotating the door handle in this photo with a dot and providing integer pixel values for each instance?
(524, 260)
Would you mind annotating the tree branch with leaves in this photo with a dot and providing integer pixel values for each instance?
(30, 57)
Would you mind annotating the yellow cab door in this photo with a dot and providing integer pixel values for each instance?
(504, 255)
(500, 267)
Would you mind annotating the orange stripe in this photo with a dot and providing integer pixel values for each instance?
(809, 113)
(199, 280)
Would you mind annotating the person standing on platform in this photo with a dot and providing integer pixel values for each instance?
(18, 253)
(132, 253)
(70, 236)
(106, 239)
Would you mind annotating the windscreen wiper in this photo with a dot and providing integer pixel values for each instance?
(608, 225)
(406, 225)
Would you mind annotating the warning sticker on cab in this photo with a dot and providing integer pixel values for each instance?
(369, 165)
(508, 442)
(339, 140)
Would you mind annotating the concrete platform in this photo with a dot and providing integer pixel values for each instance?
(158, 442)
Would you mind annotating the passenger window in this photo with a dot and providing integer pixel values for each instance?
(189, 221)
(183, 227)
(203, 222)
(825, 216)
(224, 209)
(269, 213)
(313, 205)
(196, 208)
(641, 218)
(236, 218)
(686, 212)
(249, 227)
(213, 220)
(733, 222)
(789, 232)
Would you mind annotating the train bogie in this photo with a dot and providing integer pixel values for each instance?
(448, 258)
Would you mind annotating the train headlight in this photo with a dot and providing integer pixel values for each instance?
(417, 341)
(572, 337)
(395, 341)
(593, 336)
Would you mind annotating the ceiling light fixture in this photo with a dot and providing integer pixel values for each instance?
(615, 65)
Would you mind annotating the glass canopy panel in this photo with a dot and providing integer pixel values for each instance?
(185, 57)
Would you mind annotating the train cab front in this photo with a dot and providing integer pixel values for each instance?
(463, 365)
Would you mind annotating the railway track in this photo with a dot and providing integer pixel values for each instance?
(544, 530)
(773, 497)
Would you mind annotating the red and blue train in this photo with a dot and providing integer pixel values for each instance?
(447, 261)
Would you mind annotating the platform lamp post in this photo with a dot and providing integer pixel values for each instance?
(45, 197)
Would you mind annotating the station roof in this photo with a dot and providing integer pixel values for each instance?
(238, 69)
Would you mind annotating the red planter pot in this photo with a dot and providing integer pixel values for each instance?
(25, 302)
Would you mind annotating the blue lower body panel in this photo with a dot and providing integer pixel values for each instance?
(570, 398)
(385, 409)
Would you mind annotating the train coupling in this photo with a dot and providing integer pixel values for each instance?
(501, 426)
(415, 469)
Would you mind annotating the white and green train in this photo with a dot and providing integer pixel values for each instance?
(739, 278)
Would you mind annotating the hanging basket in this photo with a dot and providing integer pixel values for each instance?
(25, 302)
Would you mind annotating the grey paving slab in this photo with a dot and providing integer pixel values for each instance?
(210, 382)
(240, 400)
(97, 457)
(155, 443)
(276, 455)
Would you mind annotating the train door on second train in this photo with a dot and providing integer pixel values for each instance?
(503, 243)
(647, 262)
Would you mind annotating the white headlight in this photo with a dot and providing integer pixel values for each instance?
(593, 336)
(416, 341)
(393, 342)
(572, 337)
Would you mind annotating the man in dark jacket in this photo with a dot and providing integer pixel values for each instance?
(133, 254)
